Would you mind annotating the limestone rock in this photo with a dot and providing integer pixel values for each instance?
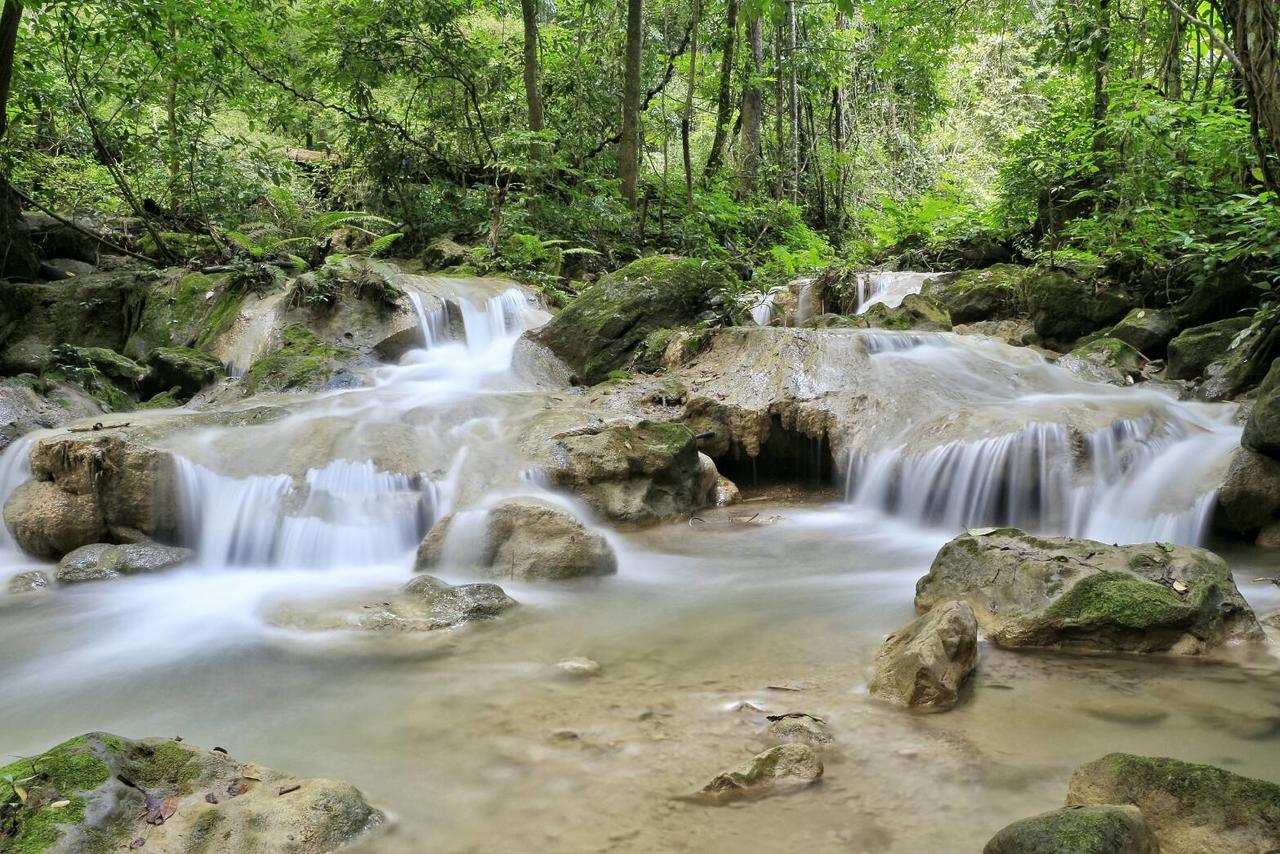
(638, 473)
(726, 492)
(102, 560)
(1107, 360)
(48, 522)
(579, 668)
(182, 799)
(917, 311)
(425, 604)
(1029, 591)
(525, 539)
(1103, 829)
(1147, 330)
(779, 769)
(1249, 498)
(601, 329)
(924, 664)
(34, 581)
(1262, 430)
(1196, 348)
(23, 408)
(1193, 809)
(1065, 309)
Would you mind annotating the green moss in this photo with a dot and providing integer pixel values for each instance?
(1116, 598)
(220, 317)
(167, 399)
(618, 376)
(164, 765)
(1071, 830)
(58, 774)
(1111, 352)
(1199, 789)
(301, 361)
(181, 244)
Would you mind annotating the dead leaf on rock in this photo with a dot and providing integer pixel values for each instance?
(158, 811)
(137, 843)
(57, 805)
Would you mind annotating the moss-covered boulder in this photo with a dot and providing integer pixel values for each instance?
(974, 295)
(185, 309)
(1249, 498)
(302, 363)
(1192, 808)
(101, 561)
(1194, 349)
(1147, 330)
(917, 311)
(1107, 360)
(101, 792)
(523, 539)
(637, 473)
(1064, 309)
(601, 330)
(1029, 591)
(186, 369)
(443, 253)
(1262, 430)
(1102, 829)
(923, 664)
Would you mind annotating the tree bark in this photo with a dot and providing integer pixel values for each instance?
(532, 85)
(794, 101)
(724, 106)
(1101, 63)
(779, 104)
(686, 121)
(1258, 49)
(752, 107)
(17, 258)
(629, 146)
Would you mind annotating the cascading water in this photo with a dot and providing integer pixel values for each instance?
(15, 470)
(888, 288)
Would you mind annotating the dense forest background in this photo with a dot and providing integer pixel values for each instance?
(1124, 138)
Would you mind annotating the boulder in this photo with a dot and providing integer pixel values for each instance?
(1147, 330)
(425, 604)
(442, 253)
(1065, 309)
(637, 473)
(28, 404)
(978, 295)
(1107, 360)
(1193, 809)
(1029, 591)
(93, 487)
(186, 369)
(1262, 430)
(601, 330)
(1102, 829)
(1249, 498)
(1194, 349)
(786, 767)
(579, 668)
(101, 792)
(924, 664)
(523, 539)
(916, 311)
(103, 560)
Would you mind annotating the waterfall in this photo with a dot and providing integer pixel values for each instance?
(343, 514)
(1137, 480)
(762, 309)
(15, 470)
(896, 342)
(888, 288)
(499, 318)
(434, 326)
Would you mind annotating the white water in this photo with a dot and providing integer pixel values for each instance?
(888, 288)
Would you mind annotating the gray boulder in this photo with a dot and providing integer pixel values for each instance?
(780, 769)
(526, 539)
(1029, 591)
(1107, 360)
(1065, 309)
(1196, 348)
(1193, 809)
(924, 664)
(1249, 498)
(1262, 430)
(425, 604)
(1147, 330)
(1103, 829)
(34, 581)
(102, 560)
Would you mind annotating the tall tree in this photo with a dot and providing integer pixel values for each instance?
(686, 120)
(532, 75)
(793, 101)
(724, 103)
(629, 146)
(1258, 50)
(16, 255)
(752, 106)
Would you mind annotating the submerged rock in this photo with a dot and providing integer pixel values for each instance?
(1104, 829)
(101, 792)
(579, 668)
(525, 539)
(102, 560)
(600, 330)
(34, 581)
(924, 664)
(779, 769)
(639, 473)
(1192, 808)
(1029, 591)
(1196, 348)
(425, 604)
(800, 727)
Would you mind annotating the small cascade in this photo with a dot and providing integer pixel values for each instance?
(1138, 480)
(897, 342)
(498, 318)
(888, 288)
(434, 326)
(344, 514)
(15, 470)
(805, 307)
(763, 310)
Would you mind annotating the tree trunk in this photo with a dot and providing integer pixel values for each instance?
(1258, 50)
(532, 87)
(17, 258)
(686, 121)
(752, 106)
(794, 101)
(1101, 62)
(1171, 67)
(629, 147)
(724, 107)
(779, 104)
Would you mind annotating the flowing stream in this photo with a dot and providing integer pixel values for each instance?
(473, 741)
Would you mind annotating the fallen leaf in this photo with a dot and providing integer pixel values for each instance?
(210, 798)
(158, 812)
(57, 805)
(1180, 587)
(137, 843)
(21, 793)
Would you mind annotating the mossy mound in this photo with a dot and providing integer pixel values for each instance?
(602, 329)
(302, 363)
(1029, 591)
(1147, 330)
(1064, 309)
(1104, 829)
(975, 295)
(1262, 431)
(1194, 349)
(186, 369)
(100, 793)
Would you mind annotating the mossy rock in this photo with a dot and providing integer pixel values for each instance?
(1147, 330)
(186, 369)
(302, 363)
(1104, 359)
(1191, 807)
(1262, 430)
(1029, 591)
(185, 309)
(1194, 349)
(1064, 309)
(85, 311)
(602, 329)
(99, 792)
(975, 295)
(916, 312)
(1102, 829)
